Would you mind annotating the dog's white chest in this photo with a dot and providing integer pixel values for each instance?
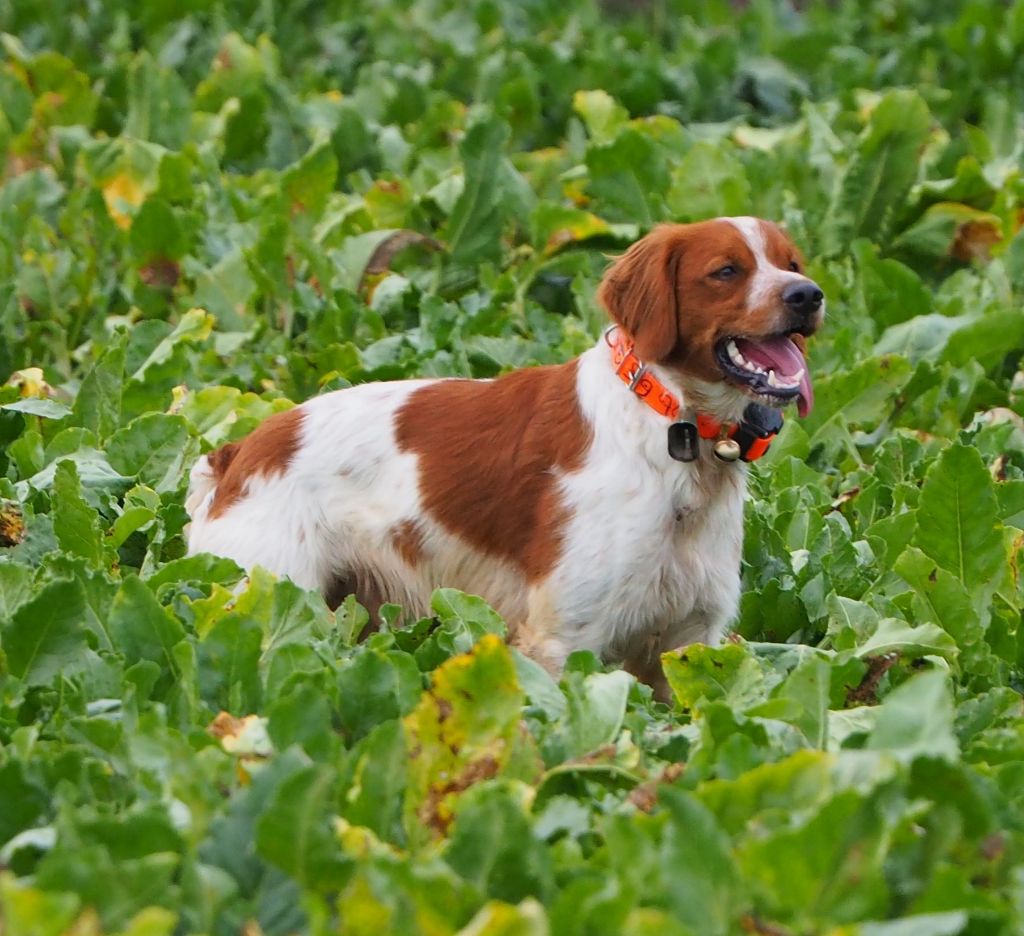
(653, 549)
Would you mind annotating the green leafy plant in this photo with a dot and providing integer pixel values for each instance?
(211, 211)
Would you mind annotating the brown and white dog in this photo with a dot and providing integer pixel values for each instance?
(549, 491)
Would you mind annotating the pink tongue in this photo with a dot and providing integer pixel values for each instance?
(782, 356)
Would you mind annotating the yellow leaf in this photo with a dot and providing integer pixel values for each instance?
(578, 226)
(87, 924)
(247, 739)
(497, 918)
(242, 736)
(365, 913)
(12, 524)
(461, 733)
(151, 921)
(31, 383)
(123, 195)
(179, 395)
(575, 191)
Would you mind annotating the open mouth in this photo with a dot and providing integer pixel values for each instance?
(772, 368)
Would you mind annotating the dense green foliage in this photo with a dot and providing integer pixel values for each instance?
(211, 209)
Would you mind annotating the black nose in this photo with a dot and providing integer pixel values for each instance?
(803, 298)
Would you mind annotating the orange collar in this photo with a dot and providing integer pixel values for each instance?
(635, 375)
(752, 435)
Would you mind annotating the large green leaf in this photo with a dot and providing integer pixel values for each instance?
(311, 179)
(479, 216)
(228, 657)
(957, 518)
(46, 636)
(143, 629)
(829, 858)
(881, 169)
(595, 706)
(375, 792)
(940, 596)
(493, 846)
(76, 524)
(16, 587)
(706, 894)
(98, 404)
(295, 832)
(709, 181)
(376, 687)
(916, 720)
(628, 179)
(156, 448)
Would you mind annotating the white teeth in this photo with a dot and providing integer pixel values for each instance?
(775, 381)
(735, 356)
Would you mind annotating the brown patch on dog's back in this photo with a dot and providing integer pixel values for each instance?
(489, 455)
(407, 538)
(267, 450)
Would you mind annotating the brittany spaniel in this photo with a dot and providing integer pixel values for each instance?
(596, 504)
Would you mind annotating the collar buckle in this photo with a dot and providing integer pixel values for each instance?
(636, 376)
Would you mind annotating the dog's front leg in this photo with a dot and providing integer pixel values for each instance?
(539, 634)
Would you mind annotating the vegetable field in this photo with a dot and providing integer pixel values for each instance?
(211, 210)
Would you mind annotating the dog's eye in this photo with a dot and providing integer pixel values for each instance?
(794, 266)
(725, 273)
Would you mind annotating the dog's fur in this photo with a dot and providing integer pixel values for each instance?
(548, 491)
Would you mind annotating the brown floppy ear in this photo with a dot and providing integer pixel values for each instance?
(639, 292)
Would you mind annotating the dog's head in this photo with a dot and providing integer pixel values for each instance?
(724, 301)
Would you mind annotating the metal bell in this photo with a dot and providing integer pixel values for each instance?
(728, 450)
